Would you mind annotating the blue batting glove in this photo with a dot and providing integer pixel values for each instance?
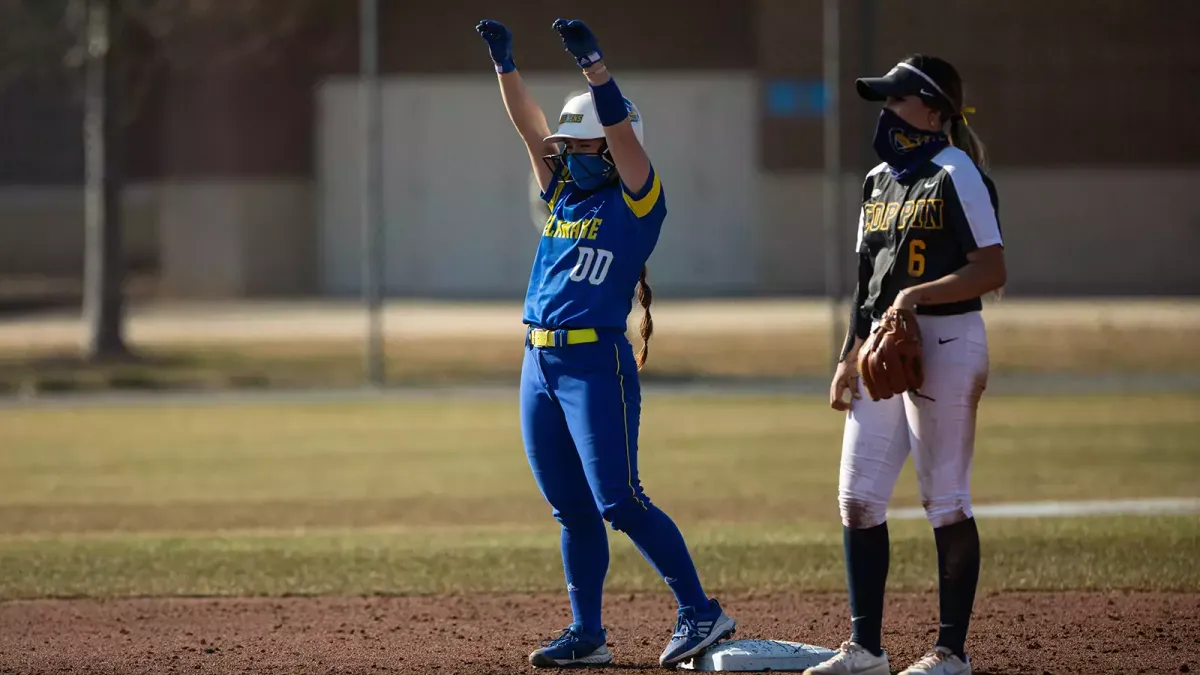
(579, 40)
(499, 42)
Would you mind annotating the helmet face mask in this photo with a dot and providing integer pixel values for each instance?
(578, 121)
(559, 164)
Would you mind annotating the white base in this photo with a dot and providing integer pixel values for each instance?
(759, 655)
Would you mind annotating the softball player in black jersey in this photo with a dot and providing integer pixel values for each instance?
(929, 241)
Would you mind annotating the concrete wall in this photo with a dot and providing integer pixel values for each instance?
(455, 183)
(1079, 231)
(733, 229)
(1067, 231)
(41, 229)
(237, 238)
(206, 238)
(457, 207)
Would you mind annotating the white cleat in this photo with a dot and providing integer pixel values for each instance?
(852, 659)
(940, 661)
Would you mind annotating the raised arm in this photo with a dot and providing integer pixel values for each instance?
(627, 152)
(525, 113)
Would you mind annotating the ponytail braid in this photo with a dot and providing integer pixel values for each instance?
(963, 137)
(646, 329)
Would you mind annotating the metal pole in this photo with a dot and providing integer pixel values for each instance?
(833, 173)
(372, 197)
(867, 38)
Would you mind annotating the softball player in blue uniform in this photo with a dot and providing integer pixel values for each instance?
(580, 396)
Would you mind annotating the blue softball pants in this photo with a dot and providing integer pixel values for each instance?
(580, 411)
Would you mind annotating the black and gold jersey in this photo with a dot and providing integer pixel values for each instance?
(922, 229)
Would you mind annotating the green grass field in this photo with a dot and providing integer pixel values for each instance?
(433, 495)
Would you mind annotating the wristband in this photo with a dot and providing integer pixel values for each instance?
(610, 104)
(589, 59)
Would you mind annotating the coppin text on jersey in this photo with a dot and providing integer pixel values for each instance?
(918, 214)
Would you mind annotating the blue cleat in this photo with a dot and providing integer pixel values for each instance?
(572, 648)
(696, 632)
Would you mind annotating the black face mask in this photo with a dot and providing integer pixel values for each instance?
(903, 146)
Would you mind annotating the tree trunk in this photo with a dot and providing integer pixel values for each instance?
(104, 269)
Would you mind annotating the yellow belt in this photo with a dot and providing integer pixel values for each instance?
(540, 337)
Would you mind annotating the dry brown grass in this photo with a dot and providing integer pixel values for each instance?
(756, 354)
(320, 346)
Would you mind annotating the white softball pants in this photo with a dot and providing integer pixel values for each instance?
(937, 426)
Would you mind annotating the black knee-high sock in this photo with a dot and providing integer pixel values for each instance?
(958, 576)
(866, 579)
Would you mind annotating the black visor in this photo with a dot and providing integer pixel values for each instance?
(900, 81)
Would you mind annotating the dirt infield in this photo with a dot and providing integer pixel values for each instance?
(1012, 633)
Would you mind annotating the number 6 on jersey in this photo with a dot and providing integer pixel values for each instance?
(916, 261)
(595, 260)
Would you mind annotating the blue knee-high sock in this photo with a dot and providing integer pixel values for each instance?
(585, 562)
(659, 540)
(867, 553)
(958, 576)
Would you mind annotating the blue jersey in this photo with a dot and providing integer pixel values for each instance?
(591, 253)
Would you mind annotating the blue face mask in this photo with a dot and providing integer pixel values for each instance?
(588, 171)
(903, 146)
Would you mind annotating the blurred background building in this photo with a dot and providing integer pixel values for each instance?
(243, 153)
